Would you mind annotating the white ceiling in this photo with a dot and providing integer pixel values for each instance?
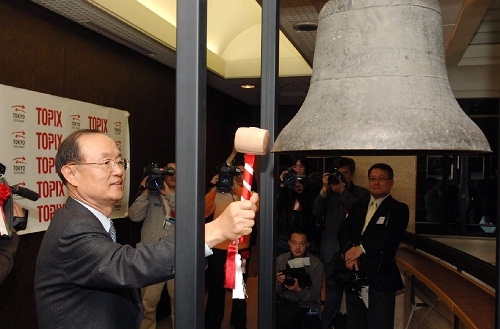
(471, 30)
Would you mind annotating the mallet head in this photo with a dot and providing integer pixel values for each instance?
(251, 140)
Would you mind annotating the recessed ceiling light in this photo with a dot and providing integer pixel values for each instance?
(247, 86)
(306, 26)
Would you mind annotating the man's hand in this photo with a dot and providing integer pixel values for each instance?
(352, 265)
(145, 190)
(165, 189)
(236, 220)
(338, 188)
(295, 286)
(280, 277)
(351, 257)
(18, 210)
(215, 179)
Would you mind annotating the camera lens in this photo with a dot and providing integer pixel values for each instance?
(289, 179)
(154, 182)
(333, 179)
(225, 180)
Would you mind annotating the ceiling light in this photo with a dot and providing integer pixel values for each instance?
(306, 26)
(247, 86)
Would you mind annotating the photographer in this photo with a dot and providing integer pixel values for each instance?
(295, 200)
(156, 207)
(298, 285)
(333, 203)
(225, 190)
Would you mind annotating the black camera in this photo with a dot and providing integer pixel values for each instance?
(20, 223)
(352, 280)
(156, 176)
(335, 177)
(292, 177)
(226, 176)
(300, 274)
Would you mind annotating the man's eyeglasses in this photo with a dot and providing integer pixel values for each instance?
(107, 164)
(377, 180)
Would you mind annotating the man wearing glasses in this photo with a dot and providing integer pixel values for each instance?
(369, 237)
(83, 278)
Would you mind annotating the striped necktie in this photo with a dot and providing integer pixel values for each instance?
(112, 231)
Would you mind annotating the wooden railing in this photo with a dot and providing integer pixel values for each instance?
(442, 269)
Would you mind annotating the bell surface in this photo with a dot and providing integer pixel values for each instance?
(380, 86)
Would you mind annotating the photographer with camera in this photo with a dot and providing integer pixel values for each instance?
(298, 285)
(296, 195)
(225, 190)
(333, 203)
(156, 207)
(369, 238)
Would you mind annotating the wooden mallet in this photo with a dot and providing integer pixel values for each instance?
(251, 141)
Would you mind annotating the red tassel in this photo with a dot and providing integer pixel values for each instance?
(229, 282)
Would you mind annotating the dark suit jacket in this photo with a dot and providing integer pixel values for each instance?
(85, 280)
(334, 208)
(380, 239)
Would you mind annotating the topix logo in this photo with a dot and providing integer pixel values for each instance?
(19, 165)
(117, 128)
(19, 139)
(75, 121)
(18, 113)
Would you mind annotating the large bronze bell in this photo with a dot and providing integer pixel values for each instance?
(380, 85)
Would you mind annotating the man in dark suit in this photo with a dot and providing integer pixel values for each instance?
(333, 203)
(370, 236)
(83, 278)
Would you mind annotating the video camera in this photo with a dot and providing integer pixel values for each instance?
(292, 177)
(226, 177)
(156, 176)
(11, 221)
(299, 272)
(335, 177)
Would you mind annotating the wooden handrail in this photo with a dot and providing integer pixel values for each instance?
(464, 262)
(471, 302)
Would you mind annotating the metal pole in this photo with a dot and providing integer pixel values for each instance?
(190, 157)
(497, 257)
(269, 87)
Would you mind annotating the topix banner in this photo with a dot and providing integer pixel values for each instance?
(32, 126)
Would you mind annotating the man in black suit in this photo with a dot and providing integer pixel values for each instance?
(370, 236)
(83, 278)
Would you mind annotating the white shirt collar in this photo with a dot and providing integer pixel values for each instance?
(105, 221)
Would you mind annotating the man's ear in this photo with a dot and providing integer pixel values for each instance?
(70, 175)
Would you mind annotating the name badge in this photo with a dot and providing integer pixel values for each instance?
(168, 222)
(381, 220)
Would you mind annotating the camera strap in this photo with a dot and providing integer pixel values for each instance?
(169, 219)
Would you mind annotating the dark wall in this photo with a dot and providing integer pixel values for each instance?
(44, 52)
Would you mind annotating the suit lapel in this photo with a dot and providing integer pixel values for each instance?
(382, 211)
